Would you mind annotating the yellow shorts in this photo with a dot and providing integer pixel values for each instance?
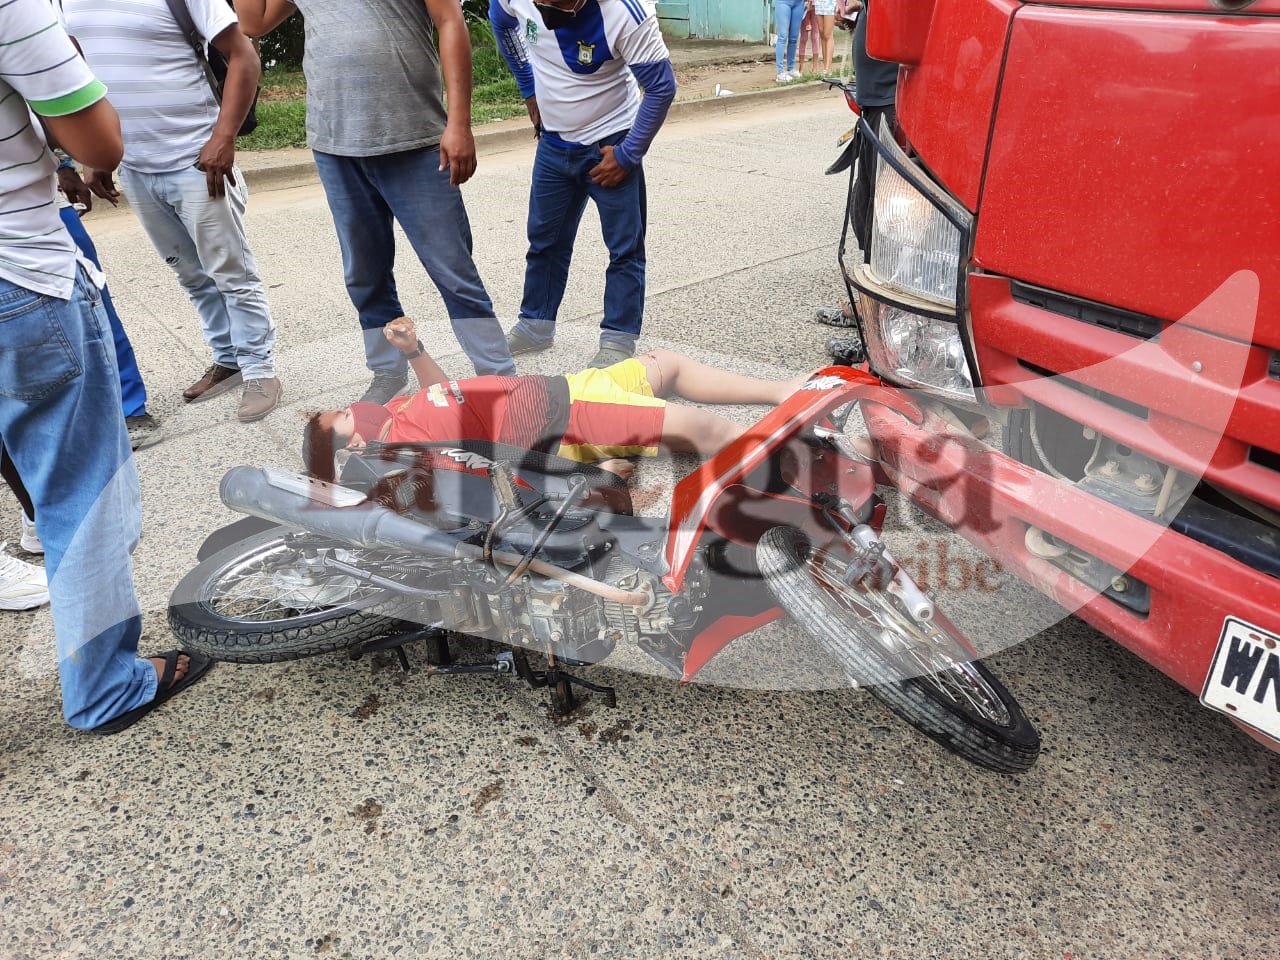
(612, 413)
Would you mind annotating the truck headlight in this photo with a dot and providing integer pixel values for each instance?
(915, 350)
(914, 247)
(907, 289)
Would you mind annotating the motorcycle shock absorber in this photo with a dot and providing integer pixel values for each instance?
(873, 549)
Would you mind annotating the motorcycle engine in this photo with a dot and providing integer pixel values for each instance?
(580, 627)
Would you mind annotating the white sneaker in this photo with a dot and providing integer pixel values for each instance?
(30, 541)
(22, 585)
(783, 77)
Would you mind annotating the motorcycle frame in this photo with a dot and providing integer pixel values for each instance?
(717, 501)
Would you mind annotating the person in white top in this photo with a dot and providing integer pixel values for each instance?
(180, 176)
(580, 65)
(60, 414)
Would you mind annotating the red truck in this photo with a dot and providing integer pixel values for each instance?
(1078, 222)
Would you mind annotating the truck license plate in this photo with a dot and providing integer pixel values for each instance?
(1244, 678)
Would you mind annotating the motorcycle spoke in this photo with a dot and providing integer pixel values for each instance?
(923, 651)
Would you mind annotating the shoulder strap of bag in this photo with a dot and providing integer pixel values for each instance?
(183, 17)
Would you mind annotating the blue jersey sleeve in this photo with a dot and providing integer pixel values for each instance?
(506, 32)
(659, 83)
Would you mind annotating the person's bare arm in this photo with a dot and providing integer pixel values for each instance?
(243, 71)
(260, 17)
(91, 136)
(457, 145)
(404, 337)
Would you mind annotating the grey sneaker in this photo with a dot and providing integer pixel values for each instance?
(142, 430)
(835, 316)
(519, 342)
(846, 351)
(386, 387)
(260, 397)
(608, 355)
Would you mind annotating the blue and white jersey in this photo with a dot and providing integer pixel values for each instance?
(581, 72)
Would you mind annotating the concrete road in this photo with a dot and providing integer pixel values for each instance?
(345, 809)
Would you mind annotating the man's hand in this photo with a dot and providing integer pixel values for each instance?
(75, 189)
(402, 334)
(535, 115)
(101, 183)
(458, 153)
(608, 172)
(216, 162)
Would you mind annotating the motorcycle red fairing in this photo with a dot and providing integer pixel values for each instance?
(727, 498)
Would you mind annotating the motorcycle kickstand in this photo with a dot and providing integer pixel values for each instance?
(561, 683)
(437, 641)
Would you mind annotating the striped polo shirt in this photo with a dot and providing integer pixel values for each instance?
(39, 71)
(167, 110)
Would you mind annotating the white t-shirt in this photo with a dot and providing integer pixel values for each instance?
(167, 111)
(38, 67)
(585, 89)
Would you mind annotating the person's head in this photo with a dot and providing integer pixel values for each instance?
(329, 431)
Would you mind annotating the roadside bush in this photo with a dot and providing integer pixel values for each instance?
(282, 47)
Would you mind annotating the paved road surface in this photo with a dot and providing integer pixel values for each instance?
(331, 808)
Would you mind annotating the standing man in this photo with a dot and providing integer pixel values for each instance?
(60, 414)
(180, 176)
(577, 63)
(387, 150)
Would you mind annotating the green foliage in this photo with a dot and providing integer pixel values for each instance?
(283, 45)
(476, 11)
(281, 123)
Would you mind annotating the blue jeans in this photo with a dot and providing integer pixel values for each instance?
(204, 241)
(365, 195)
(557, 198)
(787, 16)
(133, 392)
(61, 423)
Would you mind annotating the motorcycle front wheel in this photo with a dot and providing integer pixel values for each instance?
(922, 671)
(269, 598)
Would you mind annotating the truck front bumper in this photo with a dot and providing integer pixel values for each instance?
(991, 500)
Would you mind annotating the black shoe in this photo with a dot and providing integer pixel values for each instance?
(142, 430)
(846, 351)
(386, 387)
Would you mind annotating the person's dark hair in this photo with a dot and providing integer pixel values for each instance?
(319, 444)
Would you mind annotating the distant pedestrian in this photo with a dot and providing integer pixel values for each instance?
(60, 418)
(787, 17)
(388, 152)
(180, 176)
(824, 15)
(580, 65)
(810, 39)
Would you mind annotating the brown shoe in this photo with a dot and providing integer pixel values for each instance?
(216, 380)
(260, 397)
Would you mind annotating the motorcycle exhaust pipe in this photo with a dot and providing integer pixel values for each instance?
(329, 510)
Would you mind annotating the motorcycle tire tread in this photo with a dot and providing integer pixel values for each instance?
(325, 631)
(1010, 748)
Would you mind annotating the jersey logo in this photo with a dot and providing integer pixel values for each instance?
(531, 32)
(435, 394)
(586, 53)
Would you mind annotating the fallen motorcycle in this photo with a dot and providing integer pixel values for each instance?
(416, 542)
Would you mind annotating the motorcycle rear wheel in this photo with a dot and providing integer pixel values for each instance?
(929, 678)
(261, 601)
